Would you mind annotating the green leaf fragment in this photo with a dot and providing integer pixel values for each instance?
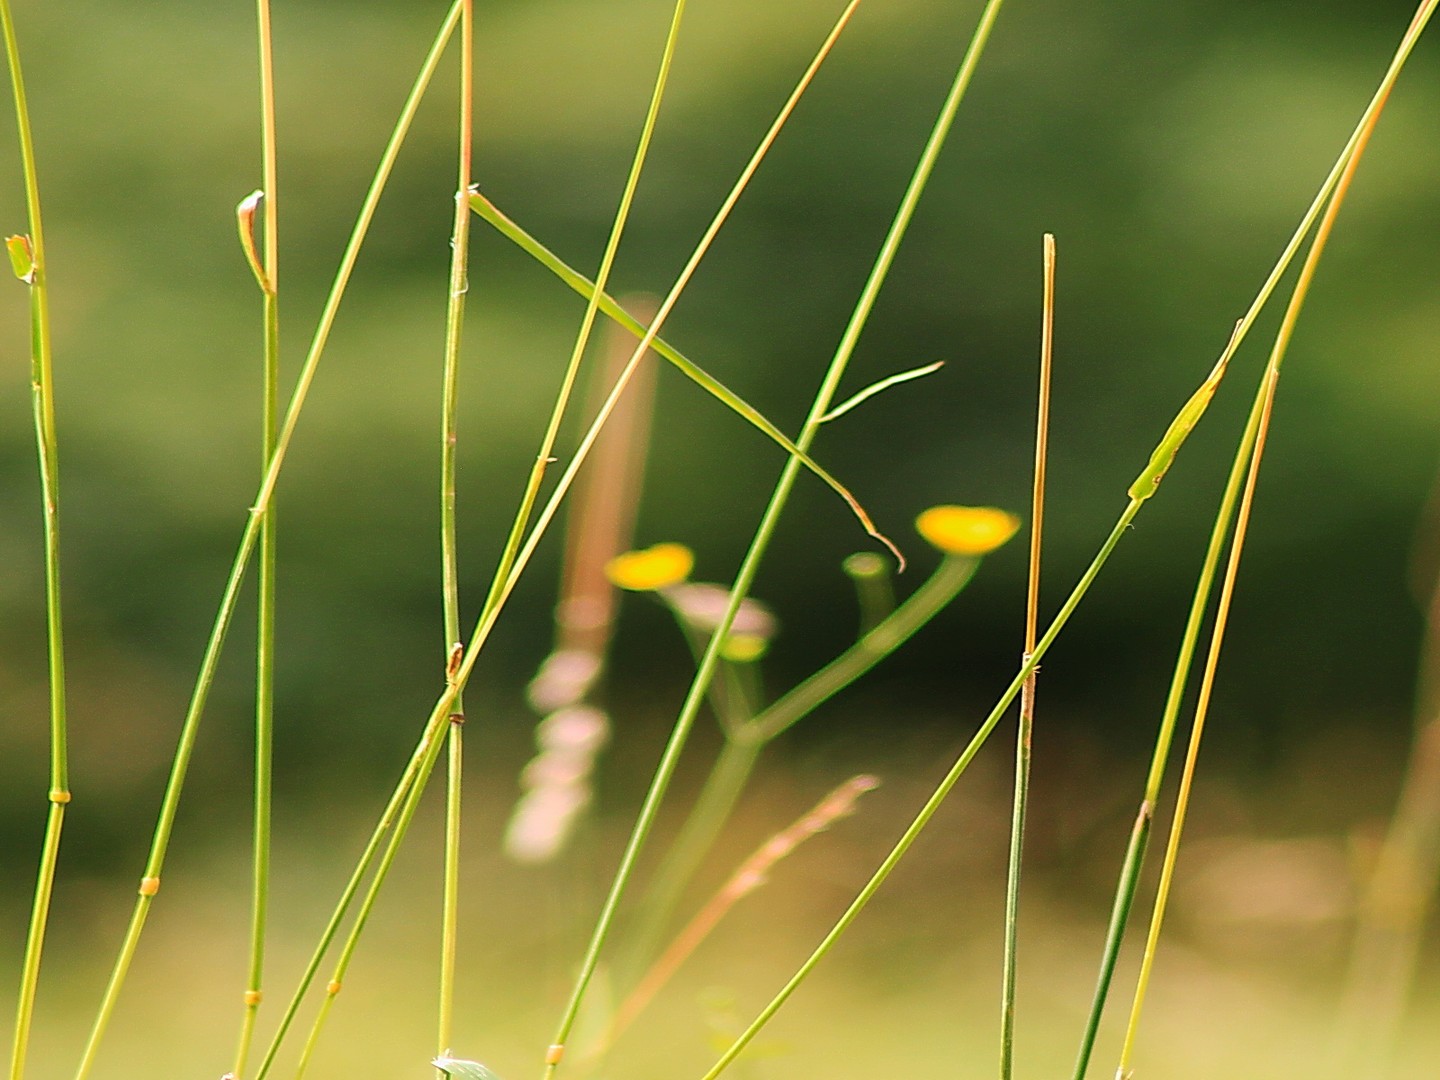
(1179, 430)
(22, 258)
(877, 387)
(464, 1070)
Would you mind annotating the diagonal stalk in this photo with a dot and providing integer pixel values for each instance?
(937, 797)
(587, 324)
(150, 880)
(1135, 851)
(1265, 404)
(821, 405)
(610, 307)
(428, 756)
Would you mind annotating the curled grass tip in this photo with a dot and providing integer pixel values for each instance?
(656, 567)
(245, 218)
(967, 531)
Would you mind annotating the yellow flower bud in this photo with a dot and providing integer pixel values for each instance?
(744, 648)
(653, 568)
(967, 530)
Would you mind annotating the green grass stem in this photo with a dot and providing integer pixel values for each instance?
(1135, 851)
(527, 243)
(415, 791)
(938, 796)
(150, 880)
(449, 546)
(266, 571)
(592, 307)
(416, 768)
(42, 396)
(1026, 722)
(745, 577)
(1266, 404)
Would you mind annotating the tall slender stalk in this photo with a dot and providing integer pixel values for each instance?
(265, 607)
(1128, 880)
(1266, 403)
(592, 309)
(937, 797)
(418, 769)
(42, 396)
(429, 754)
(449, 559)
(1027, 692)
(820, 406)
(150, 880)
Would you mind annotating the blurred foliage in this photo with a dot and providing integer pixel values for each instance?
(1171, 147)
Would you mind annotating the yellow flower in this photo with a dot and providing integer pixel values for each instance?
(967, 530)
(654, 568)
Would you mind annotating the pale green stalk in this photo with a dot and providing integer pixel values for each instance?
(1266, 405)
(610, 307)
(415, 771)
(821, 405)
(592, 308)
(150, 881)
(491, 613)
(941, 791)
(429, 755)
(42, 389)
(1027, 693)
(1135, 851)
(449, 558)
(265, 608)
(745, 741)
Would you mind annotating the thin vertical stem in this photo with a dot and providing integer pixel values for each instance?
(513, 543)
(170, 803)
(1027, 692)
(42, 392)
(450, 575)
(265, 611)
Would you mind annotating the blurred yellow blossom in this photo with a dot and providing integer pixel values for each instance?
(967, 530)
(654, 568)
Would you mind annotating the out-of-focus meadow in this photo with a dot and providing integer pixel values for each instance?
(1171, 148)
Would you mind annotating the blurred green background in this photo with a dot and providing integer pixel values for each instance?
(1170, 147)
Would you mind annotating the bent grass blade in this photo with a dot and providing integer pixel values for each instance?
(577, 281)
